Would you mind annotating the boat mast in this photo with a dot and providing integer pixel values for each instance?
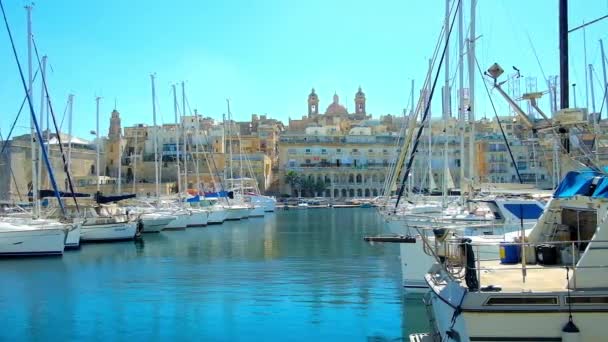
(585, 58)
(563, 54)
(183, 125)
(471, 69)
(229, 140)
(446, 104)
(97, 142)
(134, 159)
(605, 97)
(155, 138)
(70, 113)
(177, 135)
(119, 160)
(42, 106)
(196, 142)
(430, 133)
(461, 112)
(35, 207)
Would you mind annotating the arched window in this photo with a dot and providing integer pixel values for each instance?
(92, 169)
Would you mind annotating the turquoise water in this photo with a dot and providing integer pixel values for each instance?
(297, 275)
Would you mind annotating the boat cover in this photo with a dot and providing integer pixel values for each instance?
(584, 183)
(101, 199)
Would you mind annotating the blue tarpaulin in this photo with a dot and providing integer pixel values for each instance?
(217, 194)
(585, 183)
(193, 199)
(526, 211)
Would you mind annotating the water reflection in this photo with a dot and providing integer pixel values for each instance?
(296, 275)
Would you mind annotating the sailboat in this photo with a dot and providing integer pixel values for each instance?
(23, 237)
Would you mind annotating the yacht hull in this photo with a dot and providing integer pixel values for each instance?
(108, 232)
(257, 211)
(217, 216)
(32, 242)
(198, 218)
(155, 223)
(72, 241)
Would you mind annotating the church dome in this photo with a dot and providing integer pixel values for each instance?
(335, 108)
(360, 93)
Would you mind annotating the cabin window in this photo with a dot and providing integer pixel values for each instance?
(587, 300)
(528, 300)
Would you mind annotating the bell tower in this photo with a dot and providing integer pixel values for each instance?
(113, 144)
(360, 102)
(313, 103)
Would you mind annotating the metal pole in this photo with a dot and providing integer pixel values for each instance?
(574, 93)
(586, 73)
(563, 54)
(97, 142)
(177, 135)
(155, 139)
(446, 87)
(35, 208)
(42, 106)
(605, 97)
(70, 112)
(461, 112)
(591, 89)
(119, 162)
(471, 69)
(185, 137)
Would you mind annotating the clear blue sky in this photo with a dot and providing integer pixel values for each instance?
(266, 55)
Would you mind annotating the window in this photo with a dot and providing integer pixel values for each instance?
(522, 300)
(338, 150)
(307, 161)
(323, 151)
(385, 151)
(307, 151)
(587, 300)
(370, 151)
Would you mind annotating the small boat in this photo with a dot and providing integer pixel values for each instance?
(155, 222)
(24, 240)
(104, 223)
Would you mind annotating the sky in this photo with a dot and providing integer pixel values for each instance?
(266, 55)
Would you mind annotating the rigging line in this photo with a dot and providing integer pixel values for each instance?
(587, 24)
(63, 117)
(10, 133)
(33, 115)
(542, 71)
(502, 131)
(426, 110)
(50, 106)
(10, 167)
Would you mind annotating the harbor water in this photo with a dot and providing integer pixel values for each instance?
(297, 275)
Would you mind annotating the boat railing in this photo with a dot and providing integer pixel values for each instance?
(455, 256)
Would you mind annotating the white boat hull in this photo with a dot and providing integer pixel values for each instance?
(72, 241)
(234, 214)
(198, 218)
(32, 242)
(217, 216)
(155, 223)
(108, 232)
(257, 211)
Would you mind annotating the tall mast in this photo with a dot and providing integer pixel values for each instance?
(446, 103)
(461, 111)
(412, 100)
(177, 136)
(134, 159)
(471, 69)
(70, 113)
(605, 97)
(592, 91)
(119, 161)
(155, 138)
(586, 73)
(36, 208)
(563, 54)
(229, 140)
(97, 143)
(42, 106)
(430, 131)
(185, 136)
(196, 141)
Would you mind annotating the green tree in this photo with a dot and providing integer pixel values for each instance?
(308, 186)
(294, 180)
(320, 187)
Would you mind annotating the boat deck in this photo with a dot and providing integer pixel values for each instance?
(509, 277)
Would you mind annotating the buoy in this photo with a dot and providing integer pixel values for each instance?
(571, 333)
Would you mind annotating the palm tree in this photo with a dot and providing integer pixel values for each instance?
(308, 185)
(293, 179)
(320, 187)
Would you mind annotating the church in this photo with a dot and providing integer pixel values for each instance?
(335, 114)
